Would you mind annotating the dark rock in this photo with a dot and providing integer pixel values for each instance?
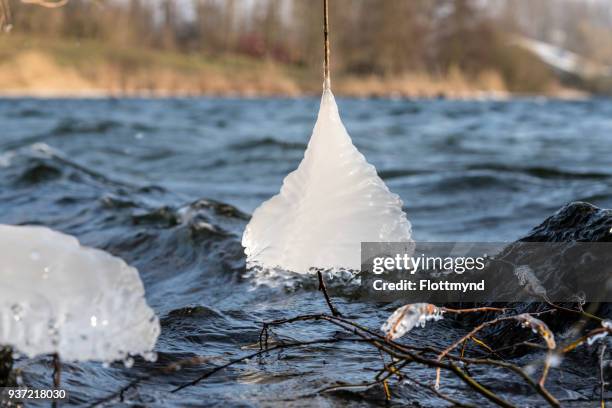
(575, 223)
(6, 366)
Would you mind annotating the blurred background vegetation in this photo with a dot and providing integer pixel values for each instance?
(416, 48)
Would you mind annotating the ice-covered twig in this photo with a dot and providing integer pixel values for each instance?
(407, 317)
(540, 328)
(591, 337)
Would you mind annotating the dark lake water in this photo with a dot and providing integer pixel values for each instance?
(168, 185)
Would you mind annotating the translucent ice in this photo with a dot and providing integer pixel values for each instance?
(59, 297)
(326, 208)
(408, 317)
(538, 327)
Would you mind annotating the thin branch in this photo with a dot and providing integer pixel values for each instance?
(400, 352)
(323, 289)
(513, 368)
(595, 332)
(475, 309)
(456, 403)
(478, 328)
(326, 76)
(57, 371)
(602, 380)
(580, 312)
(256, 354)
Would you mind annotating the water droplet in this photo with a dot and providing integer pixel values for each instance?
(94, 321)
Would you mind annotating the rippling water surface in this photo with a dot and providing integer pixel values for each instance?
(168, 185)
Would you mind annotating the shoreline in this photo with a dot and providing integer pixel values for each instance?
(60, 70)
(568, 95)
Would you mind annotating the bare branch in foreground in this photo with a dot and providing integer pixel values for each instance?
(398, 358)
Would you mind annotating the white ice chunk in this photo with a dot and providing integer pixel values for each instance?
(59, 297)
(326, 208)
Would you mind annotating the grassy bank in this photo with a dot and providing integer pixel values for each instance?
(54, 67)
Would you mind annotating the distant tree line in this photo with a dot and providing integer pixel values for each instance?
(369, 37)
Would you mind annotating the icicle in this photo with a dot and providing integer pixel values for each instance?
(326, 208)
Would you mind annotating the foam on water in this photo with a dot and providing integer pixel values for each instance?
(59, 297)
(333, 201)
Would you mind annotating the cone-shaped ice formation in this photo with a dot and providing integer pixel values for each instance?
(59, 297)
(327, 207)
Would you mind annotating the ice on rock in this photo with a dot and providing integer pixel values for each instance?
(59, 297)
(326, 208)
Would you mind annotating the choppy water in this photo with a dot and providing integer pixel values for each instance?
(168, 185)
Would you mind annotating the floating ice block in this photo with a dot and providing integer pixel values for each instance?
(57, 296)
(326, 208)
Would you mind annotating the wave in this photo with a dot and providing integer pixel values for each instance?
(39, 163)
(80, 126)
(543, 172)
(266, 143)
